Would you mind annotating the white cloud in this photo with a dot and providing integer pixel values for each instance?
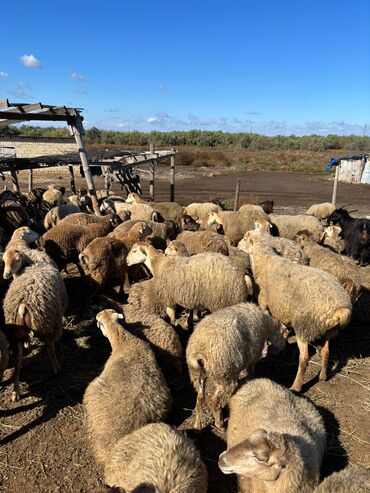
(153, 119)
(74, 75)
(4, 74)
(30, 61)
(20, 90)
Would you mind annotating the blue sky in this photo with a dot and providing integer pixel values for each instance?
(273, 67)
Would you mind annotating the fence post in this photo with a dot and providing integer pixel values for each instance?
(335, 186)
(237, 193)
(172, 178)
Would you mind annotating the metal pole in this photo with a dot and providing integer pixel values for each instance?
(30, 180)
(237, 193)
(72, 179)
(151, 180)
(335, 186)
(85, 165)
(15, 180)
(172, 178)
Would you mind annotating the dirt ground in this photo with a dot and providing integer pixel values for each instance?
(43, 444)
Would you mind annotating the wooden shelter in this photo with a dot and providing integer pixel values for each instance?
(116, 163)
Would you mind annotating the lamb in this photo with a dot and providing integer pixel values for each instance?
(56, 214)
(207, 280)
(275, 440)
(348, 480)
(236, 224)
(343, 268)
(64, 243)
(321, 211)
(176, 248)
(287, 248)
(4, 354)
(308, 299)
(203, 241)
(53, 196)
(160, 456)
(288, 226)
(200, 211)
(142, 212)
(129, 393)
(159, 235)
(83, 219)
(168, 210)
(138, 232)
(222, 345)
(34, 305)
(331, 238)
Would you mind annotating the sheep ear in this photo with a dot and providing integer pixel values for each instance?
(261, 445)
(348, 285)
(120, 316)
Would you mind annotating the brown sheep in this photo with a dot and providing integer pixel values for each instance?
(203, 241)
(129, 393)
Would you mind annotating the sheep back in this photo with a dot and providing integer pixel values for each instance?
(203, 241)
(159, 455)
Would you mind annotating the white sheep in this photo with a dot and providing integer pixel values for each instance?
(288, 226)
(321, 211)
(157, 455)
(311, 301)
(275, 440)
(200, 211)
(207, 280)
(224, 344)
(129, 393)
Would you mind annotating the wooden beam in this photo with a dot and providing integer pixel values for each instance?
(335, 186)
(30, 179)
(85, 165)
(15, 182)
(9, 115)
(4, 103)
(172, 178)
(151, 180)
(237, 194)
(72, 179)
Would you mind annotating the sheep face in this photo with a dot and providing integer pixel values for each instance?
(26, 234)
(262, 226)
(105, 319)
(332, 231)
(13, 263)
(213, 218)
(132, 198)
(137, 255)
(189, 224)
(107, 206)
(262, 455)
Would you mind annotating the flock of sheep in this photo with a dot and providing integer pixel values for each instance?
(245, 279)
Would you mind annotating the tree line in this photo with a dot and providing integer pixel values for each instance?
(201, 138)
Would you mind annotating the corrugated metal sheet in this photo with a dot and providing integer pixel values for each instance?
(366, 174)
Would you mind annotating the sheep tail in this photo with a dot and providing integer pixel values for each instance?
(23, 316)
(340, 319)
(197, 363)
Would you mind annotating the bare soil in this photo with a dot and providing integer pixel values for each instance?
(43, 443)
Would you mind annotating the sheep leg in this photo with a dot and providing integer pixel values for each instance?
(172, 315)
(324, 360)
(302, 365)
(80, 269)
(53, 357)
(17, 371)
(217, 409)
(190, 320)
(251, 371)
(126, 284)
(199, 403)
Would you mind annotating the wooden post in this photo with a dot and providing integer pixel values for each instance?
(151, 180)
(15, 180)
(77, 130)
(172, 178)
(237, 193)
(151, 148)
(30, 180)
(72, 179)
(335, 186)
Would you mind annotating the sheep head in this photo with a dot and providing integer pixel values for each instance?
(303, 237)
(133, 198)
(106, 320)
(213, 218)
(138, 254)
(262, 455)
(262, 226)
(13, 263)
(176, 248)
(26, 234)
(189, 224)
